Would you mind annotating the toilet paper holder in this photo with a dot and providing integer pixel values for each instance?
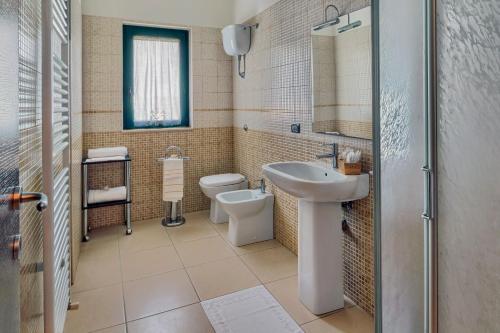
(172, 217)
(169, 154)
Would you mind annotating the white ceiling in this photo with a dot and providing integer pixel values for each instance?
(246, 9)
(208, 13)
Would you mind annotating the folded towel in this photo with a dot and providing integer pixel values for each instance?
(173, 179)
(102, 159)
(107, 152)
(108, 194)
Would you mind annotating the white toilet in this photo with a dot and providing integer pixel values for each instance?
(213, 185)
(250, 215)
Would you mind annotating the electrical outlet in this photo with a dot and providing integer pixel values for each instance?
(295, 128)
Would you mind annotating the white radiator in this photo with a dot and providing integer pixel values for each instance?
(56, 162)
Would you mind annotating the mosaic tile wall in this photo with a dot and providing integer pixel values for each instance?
(209, 143)
(277, 93)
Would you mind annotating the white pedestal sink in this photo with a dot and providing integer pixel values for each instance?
(320, 192)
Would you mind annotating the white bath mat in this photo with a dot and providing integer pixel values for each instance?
(249, 311)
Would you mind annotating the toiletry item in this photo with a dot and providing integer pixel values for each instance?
(349, 168)
(107, 152)
(351, 156)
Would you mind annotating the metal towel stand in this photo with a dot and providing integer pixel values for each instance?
(172, 218)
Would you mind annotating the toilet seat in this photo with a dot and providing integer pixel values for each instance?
(222, 180)
(213, 185)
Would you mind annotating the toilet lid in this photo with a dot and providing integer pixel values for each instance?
(222, 180)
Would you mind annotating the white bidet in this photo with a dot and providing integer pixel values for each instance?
(250, 215)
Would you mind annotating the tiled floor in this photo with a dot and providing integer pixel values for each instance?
(153, 280)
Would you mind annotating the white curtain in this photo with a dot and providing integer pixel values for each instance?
(156, 80)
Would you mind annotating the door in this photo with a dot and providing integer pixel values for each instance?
(400, 150)
(21, 308)
(9, 167)
(468, 156)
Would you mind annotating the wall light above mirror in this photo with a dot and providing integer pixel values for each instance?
(341, 76)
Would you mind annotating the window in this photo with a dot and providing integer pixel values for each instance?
(155, 77)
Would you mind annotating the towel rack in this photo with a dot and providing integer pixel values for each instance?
(172, 219)
(178, 150)
(127, 202)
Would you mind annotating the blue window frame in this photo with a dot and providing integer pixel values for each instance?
(156, 88)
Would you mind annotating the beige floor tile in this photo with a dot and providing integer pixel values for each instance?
(203, 250)
(198, 217)
(145, 236)
(190, 319)
(114, 329)
(102, 241)
(255, 247)
(221, 277)
(273, 264)
(191, 231)
(99, 308)
(159, 293)
(107, 233)
(222, 229)
(97, 270)
(286, 293)
(145, 263)
(350, 320)
(99, 247)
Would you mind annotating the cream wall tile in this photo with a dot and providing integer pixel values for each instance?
(225, 68)
(210, 84)
(209, 67)
(209, 51)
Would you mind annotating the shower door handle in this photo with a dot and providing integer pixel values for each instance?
(16, 197)
(427, 214)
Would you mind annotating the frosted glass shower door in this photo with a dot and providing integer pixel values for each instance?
(468, 109)
(402, 149)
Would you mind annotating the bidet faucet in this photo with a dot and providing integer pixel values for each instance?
(262, 185)
(332, 155)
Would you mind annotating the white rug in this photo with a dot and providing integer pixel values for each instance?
(249, 311)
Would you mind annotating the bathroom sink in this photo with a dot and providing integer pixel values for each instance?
(311, 182)
(320, 192)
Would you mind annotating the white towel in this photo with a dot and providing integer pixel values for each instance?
(107, 152)
(173, 179)
(106, 195)
(101, 159)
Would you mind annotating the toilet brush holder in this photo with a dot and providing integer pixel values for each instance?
(173, 214)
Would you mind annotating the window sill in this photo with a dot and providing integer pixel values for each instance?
(162, 129)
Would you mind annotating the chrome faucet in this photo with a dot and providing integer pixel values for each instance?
(332, 155)
(262, 186)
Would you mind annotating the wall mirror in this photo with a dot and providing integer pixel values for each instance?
(341, 75)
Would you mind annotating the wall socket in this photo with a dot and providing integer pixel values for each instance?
(295, 128)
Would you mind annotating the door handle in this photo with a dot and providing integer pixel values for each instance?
(17, 197)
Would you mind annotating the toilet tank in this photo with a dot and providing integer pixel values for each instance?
(236, 39)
